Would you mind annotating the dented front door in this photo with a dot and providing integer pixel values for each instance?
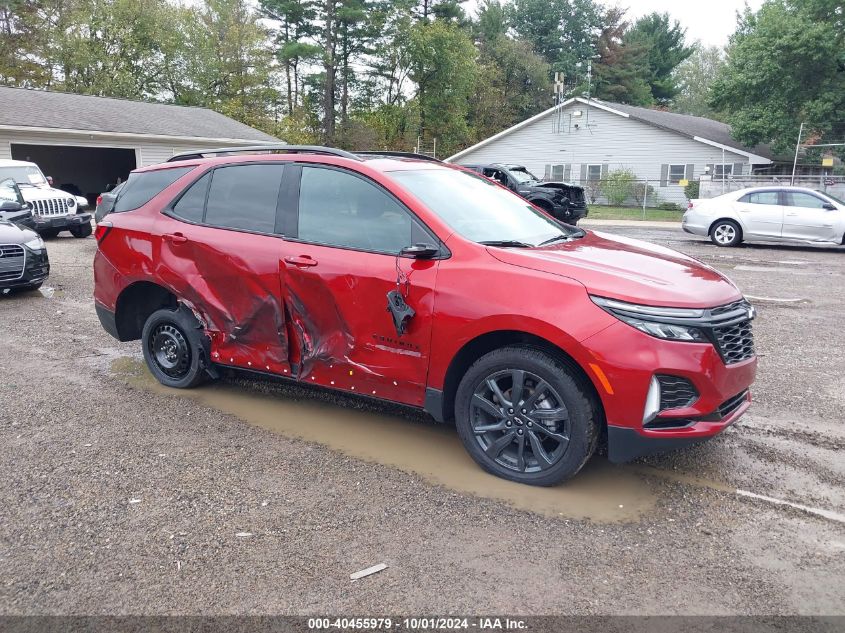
(339, 263)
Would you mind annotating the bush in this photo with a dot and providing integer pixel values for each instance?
(618, 186)
(691, 191)
(670, 206)
(642, 192)
(593, 189)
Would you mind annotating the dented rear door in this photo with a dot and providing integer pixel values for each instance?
(219, 252)
(340, 261)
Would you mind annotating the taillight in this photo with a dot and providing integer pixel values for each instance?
(689, 205)
(102, 230)
(99, 200)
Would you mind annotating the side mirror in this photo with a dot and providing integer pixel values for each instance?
(829, 207)
(11, 205)
(420, 251)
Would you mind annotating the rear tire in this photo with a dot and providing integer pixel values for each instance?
(522, 415)
(726, 233)
(173, 348)
(83, 230)
(49, 233)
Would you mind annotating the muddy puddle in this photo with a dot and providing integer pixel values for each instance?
(601, 492)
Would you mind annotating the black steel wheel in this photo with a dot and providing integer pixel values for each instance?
(523, 415)
(173, 348)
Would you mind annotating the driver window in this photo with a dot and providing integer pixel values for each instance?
(797, 199)
(339, 209)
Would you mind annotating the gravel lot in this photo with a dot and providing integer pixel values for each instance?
(250, 496)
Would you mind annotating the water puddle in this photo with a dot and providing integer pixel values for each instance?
(601, 492)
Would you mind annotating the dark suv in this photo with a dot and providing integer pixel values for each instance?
(418, 283)
(563, 200)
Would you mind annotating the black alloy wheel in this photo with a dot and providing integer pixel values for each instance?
(520, 421)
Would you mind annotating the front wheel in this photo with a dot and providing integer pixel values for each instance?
(522, 415)
(726, 233)
(173, 348)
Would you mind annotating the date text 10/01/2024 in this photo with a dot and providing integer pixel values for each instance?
(417, 624)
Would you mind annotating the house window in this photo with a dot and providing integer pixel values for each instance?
(557, 172)
(677, 173)
(593, 173)
(720, 170)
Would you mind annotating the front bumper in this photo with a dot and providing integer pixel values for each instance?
(36, 269)
(570, 215)
(61, 222)
(628, 358)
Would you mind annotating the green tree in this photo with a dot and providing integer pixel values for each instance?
(694, 78)
(620, 73)
(443, 66)
(618, 186)
(786, 64)
(665, 48)
(561, 31)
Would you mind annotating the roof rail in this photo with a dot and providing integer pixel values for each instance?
(272, 148)
(392, 154)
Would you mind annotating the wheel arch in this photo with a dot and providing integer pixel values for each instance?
(482, 344)
(136, 303)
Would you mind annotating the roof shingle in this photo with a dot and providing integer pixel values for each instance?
(63, 110)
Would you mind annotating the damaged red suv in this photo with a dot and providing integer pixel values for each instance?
(411, 281)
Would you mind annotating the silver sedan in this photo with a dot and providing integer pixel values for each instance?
(789, 214)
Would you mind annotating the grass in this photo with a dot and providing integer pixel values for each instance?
(603, 212)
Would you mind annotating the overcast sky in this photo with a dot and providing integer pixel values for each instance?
(711, 21)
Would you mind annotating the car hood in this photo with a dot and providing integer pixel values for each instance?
(31, 194)
(628, 270)
(11, 233)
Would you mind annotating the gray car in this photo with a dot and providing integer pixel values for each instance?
(788, 214)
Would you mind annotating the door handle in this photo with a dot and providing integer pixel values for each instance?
(301, 260)
(176, 238)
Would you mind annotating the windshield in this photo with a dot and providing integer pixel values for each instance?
(24, 175)
(480, 210)
(834, 198)
(9, 191)
(522, 175)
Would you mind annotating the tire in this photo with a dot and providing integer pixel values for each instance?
(49, 233)
(173, 348)
(726, 233)
(83, 230)
(555, 446)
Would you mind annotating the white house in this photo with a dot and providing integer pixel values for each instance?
(91, 141)
(582, 140)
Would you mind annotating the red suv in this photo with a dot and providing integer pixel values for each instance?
(411, 281)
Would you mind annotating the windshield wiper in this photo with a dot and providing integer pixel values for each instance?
(556, 238)
(507, 243)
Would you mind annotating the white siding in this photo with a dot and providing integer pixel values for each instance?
(602, 138)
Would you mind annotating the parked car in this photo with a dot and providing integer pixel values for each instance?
(105, 202)
(23, 256)
(53, 210)
(76, 192)
(562, 200)
(414, 282)
(13, 208)
(788, 214)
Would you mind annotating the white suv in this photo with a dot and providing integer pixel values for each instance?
(789, 214)
(52, 209)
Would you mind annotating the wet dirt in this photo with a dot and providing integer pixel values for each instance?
(602, 492)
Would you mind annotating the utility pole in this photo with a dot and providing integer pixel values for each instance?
(795, 160)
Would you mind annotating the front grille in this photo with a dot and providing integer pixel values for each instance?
(12, 262)
(732, 404)
(735, 342)
(676, 392)
(51, 207)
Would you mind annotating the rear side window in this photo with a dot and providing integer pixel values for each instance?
(191, 205)
(761, 197)
(142, 187)
(244, 197)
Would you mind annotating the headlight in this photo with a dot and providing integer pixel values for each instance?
(71, 202)
(35, 244)
(665, 323)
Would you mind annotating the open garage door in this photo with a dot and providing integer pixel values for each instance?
(86, 171)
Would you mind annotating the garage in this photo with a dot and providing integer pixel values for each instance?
(86, 143)
(82, 171)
